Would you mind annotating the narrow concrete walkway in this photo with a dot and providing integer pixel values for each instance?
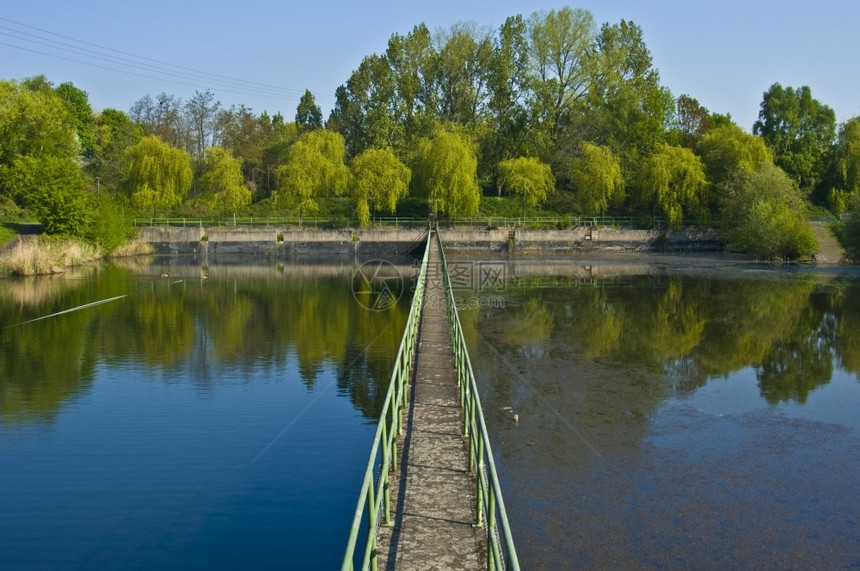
(433, 496)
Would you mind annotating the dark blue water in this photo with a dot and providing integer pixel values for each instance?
(193, 424)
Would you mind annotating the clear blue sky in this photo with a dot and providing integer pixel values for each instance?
(265, 53)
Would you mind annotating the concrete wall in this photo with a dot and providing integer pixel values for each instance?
(290, 242)
(284, 243)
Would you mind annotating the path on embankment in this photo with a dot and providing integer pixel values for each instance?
(829, 250)
(433, 495)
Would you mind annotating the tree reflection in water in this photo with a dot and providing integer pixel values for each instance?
(617, 462)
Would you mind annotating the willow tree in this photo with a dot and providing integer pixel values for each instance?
(445, 173)
(156, 174)
(221, 181)
(673, 177)
(528, 178)
(728, 148)
(379, 181)
(596, 175)
(314, 168)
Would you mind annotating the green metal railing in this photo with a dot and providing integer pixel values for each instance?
(528, 223)
(490, 509)
(374, 503)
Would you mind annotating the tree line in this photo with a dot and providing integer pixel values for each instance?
(548, 107)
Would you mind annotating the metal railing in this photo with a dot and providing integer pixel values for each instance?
(374, 502)
(490, 508)
(527, 223)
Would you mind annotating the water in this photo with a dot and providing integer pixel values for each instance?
(673, 416)
(187, 423)
(669, 415)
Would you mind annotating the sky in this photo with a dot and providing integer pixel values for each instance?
(264, 54)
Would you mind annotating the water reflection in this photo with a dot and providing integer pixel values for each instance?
(176, 316)
(658, 414)
(170, 414)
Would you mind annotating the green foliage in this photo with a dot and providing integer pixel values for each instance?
(728, 148)
(113, 133)
(111, 225)
(626, 101)
(314, 168)
(596, 176)
(762, 215)
(445, 173)
(157, 176)
(220, 181)
(34, 123)
(379, 181)
(675, 179)
(79, 104)
(799, 130)
(527, 178)
(562, 42)
(692, 121)
(54, 190)
(308, 113)
(848, 156)
(848, 233)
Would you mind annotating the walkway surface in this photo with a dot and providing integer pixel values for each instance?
(829, 250)
(433, 496)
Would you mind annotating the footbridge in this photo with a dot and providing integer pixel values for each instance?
(431, 498)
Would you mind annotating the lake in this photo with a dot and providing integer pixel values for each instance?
(672, 412)
(673, 415)
(180, 422)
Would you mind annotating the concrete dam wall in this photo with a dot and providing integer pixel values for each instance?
(287, 243)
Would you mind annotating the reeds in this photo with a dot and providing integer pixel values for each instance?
(39, 256)
(133, 248)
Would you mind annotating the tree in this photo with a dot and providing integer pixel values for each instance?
(675, 179)
(34, 122)
(762, 214)
(362, 112)
(221, 181)
(692, 121)
(596, 176)
(561, 44)
(411, 61)
(38, 155)
(308, 113)
(728, 148)
(379, 180)
(201, 114)
(848, 156)
(799, 129)
(528, 178)
(113, 133)
(445, 173)
(314, 167)
(161, 117)
(156, 174)
(54, 189)
(79, 104)
(461, 73)
(628, 108)
(509, 85)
